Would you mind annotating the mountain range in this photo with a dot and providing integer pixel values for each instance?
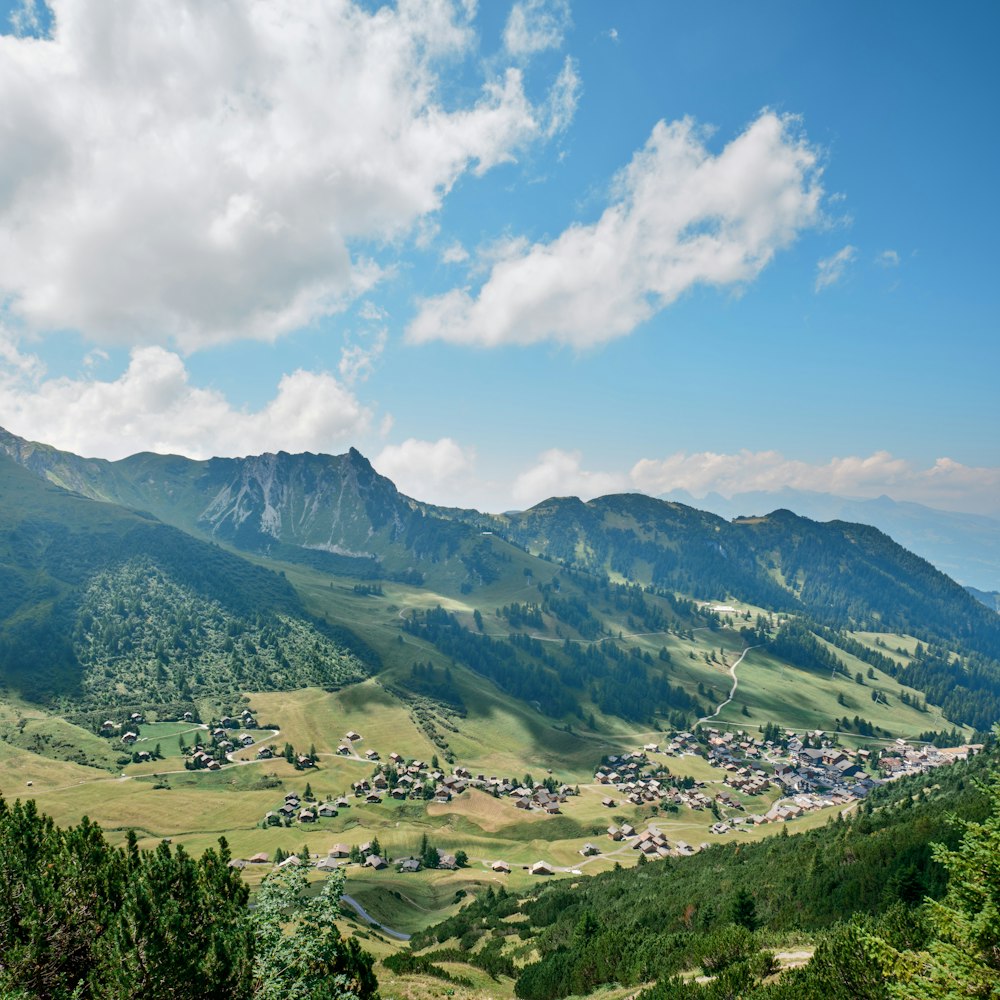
(215, 536)
(965, 546)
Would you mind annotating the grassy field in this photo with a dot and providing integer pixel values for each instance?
(766, 685)
(495, 735)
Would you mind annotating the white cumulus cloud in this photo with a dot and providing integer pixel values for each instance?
(680, 217)
(427, 470)
(152, 406)
(201, 172)
(831, 269)
(559, 473)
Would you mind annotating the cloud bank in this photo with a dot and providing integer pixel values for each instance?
(152, 406)
(194, 173)
(680, 217)
(946, 483)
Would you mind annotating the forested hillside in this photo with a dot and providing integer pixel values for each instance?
(100, 604)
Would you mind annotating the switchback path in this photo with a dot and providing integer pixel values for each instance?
(736, 683)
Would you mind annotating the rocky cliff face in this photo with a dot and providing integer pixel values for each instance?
(335, 504)
(290, 506)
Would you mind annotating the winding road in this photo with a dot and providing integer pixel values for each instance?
(736, 684)
(365, 915)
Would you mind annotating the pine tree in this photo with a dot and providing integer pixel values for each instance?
(963, 959)
(743, 910)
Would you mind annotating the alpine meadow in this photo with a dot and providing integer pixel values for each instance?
(499, 501)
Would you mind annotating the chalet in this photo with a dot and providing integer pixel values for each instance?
(608, 803)
(373, 798)
(542, 868)
(501, 866)
(399, 793)
(258, 859)
(304, 761)
(272, 818)
(214, 765)
(292, 861)
(247, 740)
(628, 830)
(344, 749)
(339, 851)
(372, 755)
(343, 802)
(614, 833)
(446, 860)
(144, 755)
(375, 862)
(352, 736)
(188, 717)
(307, 816)
(327, 811)
(327, 864)
(589, 850)
(130, 738)
(264, 753)
(409, 865)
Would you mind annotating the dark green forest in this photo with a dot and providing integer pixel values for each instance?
(82, 920)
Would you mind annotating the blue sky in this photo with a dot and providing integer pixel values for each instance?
(465, 243)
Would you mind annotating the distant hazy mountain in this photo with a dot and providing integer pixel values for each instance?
(990, 598)
(965, 546)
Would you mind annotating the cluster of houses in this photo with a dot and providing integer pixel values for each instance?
(902, 759)
(651, 842)
(399, 778)
(109, 727)
(642, 781)
(809, 771)
(295, 809)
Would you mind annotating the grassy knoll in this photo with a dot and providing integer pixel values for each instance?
(310, 717)
(889, 644)
(774, 691)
